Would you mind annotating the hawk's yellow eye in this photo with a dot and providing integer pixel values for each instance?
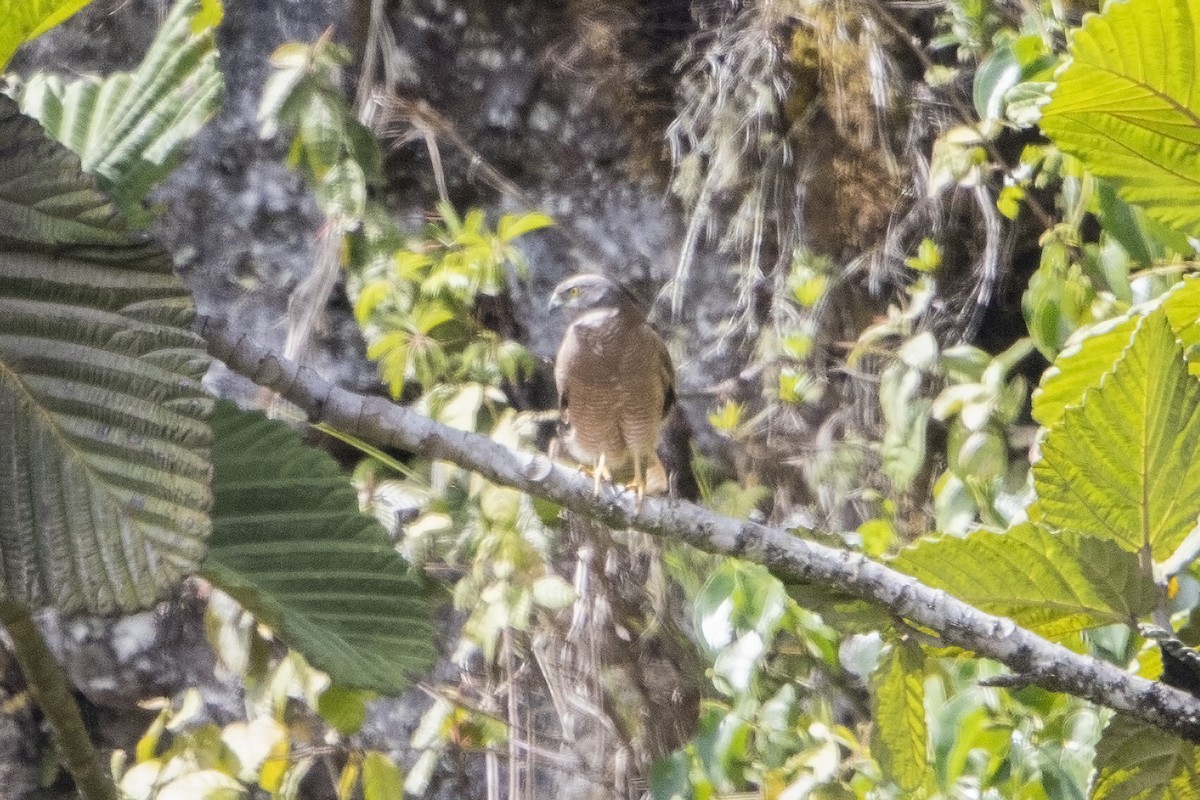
(574, 291)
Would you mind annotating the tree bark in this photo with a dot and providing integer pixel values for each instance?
(1034, 659)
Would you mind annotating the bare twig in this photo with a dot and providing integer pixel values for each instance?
(788, 556)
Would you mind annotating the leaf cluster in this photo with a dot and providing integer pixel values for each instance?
(123, 476)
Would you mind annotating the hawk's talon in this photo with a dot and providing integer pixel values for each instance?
(600, 473)
(639, 483)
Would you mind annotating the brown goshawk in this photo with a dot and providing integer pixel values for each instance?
(615, 382)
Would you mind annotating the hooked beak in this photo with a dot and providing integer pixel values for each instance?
(556, 301)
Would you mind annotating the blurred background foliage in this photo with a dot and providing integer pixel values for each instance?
(928, 219)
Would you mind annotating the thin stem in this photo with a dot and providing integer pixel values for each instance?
(49, 687)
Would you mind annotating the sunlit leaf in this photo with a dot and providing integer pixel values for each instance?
(1122, 465)
(429, 314)
(900, 735)
(511, 226)
(210, 15)
(1136, 761)
(727, 417)
(1126, 105)
(345, 709)
(1081, 366)
(1092, 353)
(370, 297)
(22, 20)
(1054, 585)
(381, 778)
(129, 128)
(928, 257)
(253, 742)
(203, 784)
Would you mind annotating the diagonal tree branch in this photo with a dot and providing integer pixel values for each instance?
(787, 556)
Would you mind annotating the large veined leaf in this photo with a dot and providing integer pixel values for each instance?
(1087, 359)
(1054, 585)
(290, 544)
(1136, 761)
(1126, 105)
(104, 469)
(22, 20)
(900, 732)
(1122, 465)
(1182, 307)
(129, 127)
(1080, 366)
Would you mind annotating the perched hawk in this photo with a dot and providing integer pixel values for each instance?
(615, 382)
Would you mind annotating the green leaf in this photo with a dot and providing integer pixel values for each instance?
(1093, 352)
(1021, 60)
(1127, 108)
(511, 226)
(343, 194)
(130, 127)
(322, 122)
(22, 20)
(1182, 307)
(290, 544)
(203, 784)
(381, 778)
(1081, 366)
(210, 15)
(1136, 761)
(905, 410)
(669, 778)
(344, 709)
(1122, 465)
(900, 737)
(104, 481)
(928, 257)
(1054, 585)
(1141, 237)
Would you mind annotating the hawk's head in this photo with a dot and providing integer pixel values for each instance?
(583, 293)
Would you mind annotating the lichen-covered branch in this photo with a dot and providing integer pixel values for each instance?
(787, 556)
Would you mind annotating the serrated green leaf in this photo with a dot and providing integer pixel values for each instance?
(1092, 353)
(22, 20)
(901, 738)
(1136, 761)
(1127, 108)
(290, 544)
(130, 127)
(1182, 307)
(1122, 465)
(1054, 585)
(104, 492)
(1080, 366)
